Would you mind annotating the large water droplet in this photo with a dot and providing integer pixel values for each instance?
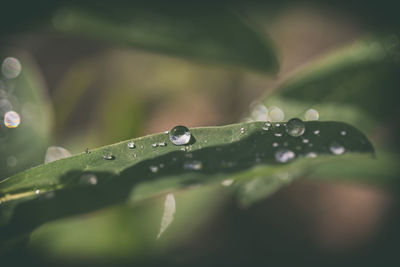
(295, 127)
(276, 114)
(194, 165)
(337, 148)
(180, 135)
(168, 215)
(11, 68)
(12, 119)
(54, 153)
(284, 155)
(311, 115)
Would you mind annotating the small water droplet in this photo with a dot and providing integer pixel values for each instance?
(37, 191)
(275, 144)
(343, 133)
(180, 135)
(295, 127)
(284, 155)
(12, 119)
(154, 145)
(278, 125)
(268, 124)
(316, 132)
(305, 141)
(242, 130)
(227, 182)
(131, 144)
(265, 128)
(11, 68)
(108, 156)
(337, 148)
(153, 169)
(141, 146)
(166, 132)
(194, 165)
(278, 134)
(54, 153)
(311, 115)
(162, 144)
(276, 114)
(134, 155)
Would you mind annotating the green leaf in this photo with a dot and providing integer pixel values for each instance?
(357, 84)
(25, 146)
(192, 30)
(239, 151)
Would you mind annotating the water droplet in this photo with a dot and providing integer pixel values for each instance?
(311, 155)
(141, 146)
(275, 144)
(168, 215)
(278, 134)
(343, 133)
(277, 124)
(54, 153)
(311, 115)
(305, 141)
(131, 144)
(166, 132)
(89, 179)
(295, 127)
(336, 148)
(316, 132)
(87, 151)
(194, 165)
(180, 135)
(268, 124)
(109, 156)
(227, 182)
(37, 191)
(12, 161)
(154, 145)
(265, 128)
(12, 119)
(276, 114)
(134, 155)
(162, 144)
(284, 155)
(242, 130)
(153, 169)
(11, 68)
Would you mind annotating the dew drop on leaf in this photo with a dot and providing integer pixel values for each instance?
(180, 135)
(275, 144)
(295, 127)
(284, 155)
(108, 156)
(343, 133)
(162, 144)
(337, 148)
(131, 144)
(153, 169)
(12, 119)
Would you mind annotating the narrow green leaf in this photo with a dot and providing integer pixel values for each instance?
(86, 182)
